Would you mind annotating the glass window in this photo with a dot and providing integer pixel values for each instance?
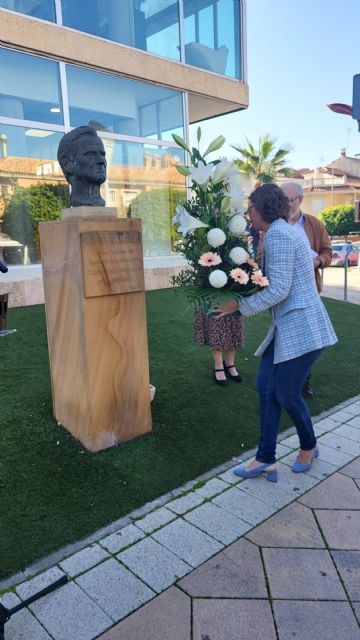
(119, 105)
(32, 189)
(43, 9)
(212, 35)
(142, 182)
(162, 27)
(29, 88)
(151, 25)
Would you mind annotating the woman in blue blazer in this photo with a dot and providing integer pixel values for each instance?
(300, 330)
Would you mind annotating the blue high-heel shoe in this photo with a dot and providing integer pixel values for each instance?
(299, 467)
(272, 476)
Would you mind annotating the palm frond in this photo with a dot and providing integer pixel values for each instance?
(265, 163)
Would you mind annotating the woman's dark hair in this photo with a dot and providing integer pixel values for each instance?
(270, 202)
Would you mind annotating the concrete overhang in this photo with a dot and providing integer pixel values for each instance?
(209, 94)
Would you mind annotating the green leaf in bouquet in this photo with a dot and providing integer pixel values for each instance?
(225, 204)
(215, 145)
(196, 156)
(183, 170)
(209, 198)
(208, 299)
(181, 142)
(218, 187)
(198, 134)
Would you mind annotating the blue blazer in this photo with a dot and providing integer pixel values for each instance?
(300, 322)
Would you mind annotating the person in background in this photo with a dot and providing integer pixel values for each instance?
(300, 330)
(314, 233)
(253, 240)
(224, 337)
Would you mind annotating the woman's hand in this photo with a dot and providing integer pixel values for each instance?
(224, 309)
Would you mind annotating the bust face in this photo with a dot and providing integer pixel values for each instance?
(89, 162)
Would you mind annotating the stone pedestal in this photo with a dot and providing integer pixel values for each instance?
(96, 322)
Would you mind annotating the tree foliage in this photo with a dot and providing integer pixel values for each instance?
(265, 163)
(156, 209)
(340, 220)
(28, 207)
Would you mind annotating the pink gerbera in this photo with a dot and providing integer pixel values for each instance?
(258, 278)
(209, 259)
(240, 276)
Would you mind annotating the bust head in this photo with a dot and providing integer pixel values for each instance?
(81, 155)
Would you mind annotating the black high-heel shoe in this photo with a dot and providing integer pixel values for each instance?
(235, 378)
(221, 383)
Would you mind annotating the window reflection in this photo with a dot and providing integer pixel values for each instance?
(32, 189)
(122, 106)
(212, 35)
(29, 88)
(151, 25)
(212, 27)
(162, 27)
(43, 9)
(143, 183)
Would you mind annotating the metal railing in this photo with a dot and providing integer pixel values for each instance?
(325, 182)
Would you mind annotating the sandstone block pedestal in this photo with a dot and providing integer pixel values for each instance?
(96, 323)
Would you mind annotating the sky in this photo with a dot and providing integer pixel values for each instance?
(302, 55)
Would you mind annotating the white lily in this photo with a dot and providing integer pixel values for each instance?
(222, 170)
(189, 223)
(236, 199)
(179, 212)
(235, 178)
(202, 174)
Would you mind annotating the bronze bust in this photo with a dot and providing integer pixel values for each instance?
(81, 156)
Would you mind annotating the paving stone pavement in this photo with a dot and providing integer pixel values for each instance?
(228, 559)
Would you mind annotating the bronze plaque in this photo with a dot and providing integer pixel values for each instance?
(112, 262)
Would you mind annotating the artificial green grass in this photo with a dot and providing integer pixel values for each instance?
(54, 492)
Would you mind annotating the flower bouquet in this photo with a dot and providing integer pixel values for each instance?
(213, 227)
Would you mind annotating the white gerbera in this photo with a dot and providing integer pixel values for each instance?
(218, 278)
(237, 224)
(216, 237)
(238, 255)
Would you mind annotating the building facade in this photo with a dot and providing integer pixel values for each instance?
(336, 184)
(136, 70)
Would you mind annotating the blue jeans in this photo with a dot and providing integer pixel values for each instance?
(279, 386)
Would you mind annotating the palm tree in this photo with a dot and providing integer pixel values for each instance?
(264, 164)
